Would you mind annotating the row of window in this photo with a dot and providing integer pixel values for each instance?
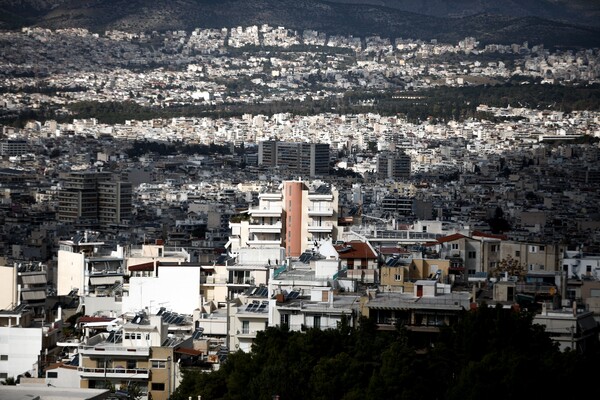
(134, 336)
(495, 248)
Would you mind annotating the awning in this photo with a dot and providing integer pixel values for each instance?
(149, 266)
(36, 279)
(105, 280)
(188, 351)
(33, 295)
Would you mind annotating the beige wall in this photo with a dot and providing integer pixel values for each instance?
(70, 272)
(8, 294)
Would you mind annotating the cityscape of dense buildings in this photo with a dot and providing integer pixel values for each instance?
(124, 259)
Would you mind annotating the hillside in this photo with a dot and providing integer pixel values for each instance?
(329, 17)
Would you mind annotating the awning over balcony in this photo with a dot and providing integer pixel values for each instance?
(149, 266)
(105, 280)
(188, 351)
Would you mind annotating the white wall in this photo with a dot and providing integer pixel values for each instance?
(177, 288)
(67, 378)
(70, 268)
(22, 346)
(107, 306)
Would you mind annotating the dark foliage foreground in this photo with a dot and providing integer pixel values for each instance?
(491, 354)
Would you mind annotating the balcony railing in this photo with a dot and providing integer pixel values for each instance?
(111, 351)
(318, 211)
(265, 228)
(265, 212)
(121, 373)
(327, 227)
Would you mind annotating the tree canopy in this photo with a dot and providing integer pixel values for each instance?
(492, 353)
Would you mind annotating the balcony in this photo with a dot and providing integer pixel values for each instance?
(314, 196)
(270, 196)
(264, 228)
(274, 212)
(327, 228)
(267, 243)
(213, 280)
(114, 351)
(119, 373)
(246, 334)
(320, 212)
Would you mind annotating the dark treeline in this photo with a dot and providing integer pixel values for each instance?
(141, 147)
(437, 104)
(492, 353)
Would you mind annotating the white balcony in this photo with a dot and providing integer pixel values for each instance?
(320, 196)
(270, 196)
(268, 243)
(320, 212)
(320, 228)
(114, 351)
(274, 212)
(265, 228)
(119, 373)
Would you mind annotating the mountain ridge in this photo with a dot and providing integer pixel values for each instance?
(331, 17)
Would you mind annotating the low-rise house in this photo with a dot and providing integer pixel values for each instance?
(430, 306)
(571, 327)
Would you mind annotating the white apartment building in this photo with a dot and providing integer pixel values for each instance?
(296, 216)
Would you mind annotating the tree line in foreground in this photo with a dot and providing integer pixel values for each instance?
(492, 353)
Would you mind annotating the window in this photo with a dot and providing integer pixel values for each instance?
(3, 357)
(454, 246)
(542, 248)
(245, 327)
(3, 375)
(472, 254)
(52, 374)
(131, 364)
(494, 248)
(517, 253)
(398, 277)
(158, 386)
(533, 249)
(425, 229)
(159, 364)
(285, 319)
(317, 322)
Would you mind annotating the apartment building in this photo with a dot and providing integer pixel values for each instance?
(13, 147)
(86, 267)
(393, 165)
(305, 159)
(94, 198)
(138, 351)
(294, 216)
(26, 342)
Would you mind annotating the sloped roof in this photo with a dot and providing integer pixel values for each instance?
(490, 235)
(149, 266)
(355, 249)
(451, 238)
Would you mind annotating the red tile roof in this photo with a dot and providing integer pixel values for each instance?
(356, 249)
(451, 238)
